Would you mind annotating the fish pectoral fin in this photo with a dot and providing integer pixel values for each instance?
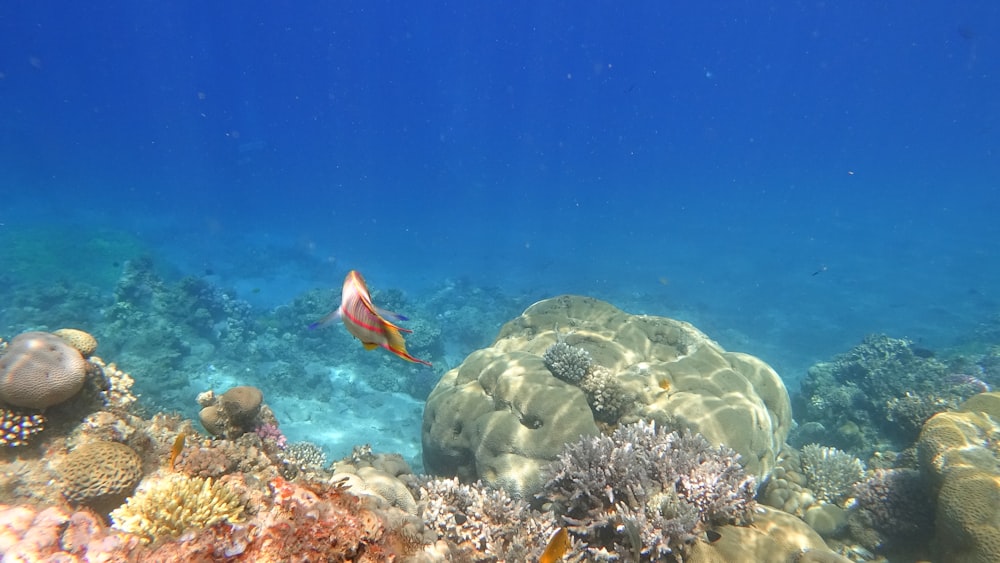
(390, 315)
(328, 320)
(369, 345)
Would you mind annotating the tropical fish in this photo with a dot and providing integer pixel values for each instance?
(557, 547)
(176, 449)
(367, 322)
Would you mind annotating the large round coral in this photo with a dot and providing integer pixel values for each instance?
(502, 414)
(40, 370)
(100, 474)
(960, 452)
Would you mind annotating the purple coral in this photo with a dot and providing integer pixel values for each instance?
(269, 431)
(646, 491)
(895, 504)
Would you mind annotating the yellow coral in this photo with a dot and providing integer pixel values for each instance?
(172, 505)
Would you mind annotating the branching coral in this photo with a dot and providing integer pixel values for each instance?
(830, 473)
(646, 491)
(568, 363)
(485, 524)
(170, 506)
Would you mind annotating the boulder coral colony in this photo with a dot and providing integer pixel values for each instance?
(639, 435)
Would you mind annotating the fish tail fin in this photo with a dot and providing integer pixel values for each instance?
(328, 320)
(396, 345)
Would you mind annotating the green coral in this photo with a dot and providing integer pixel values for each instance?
(169, 507)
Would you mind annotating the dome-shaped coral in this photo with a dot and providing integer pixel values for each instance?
(84, 342)
(100, 474)
(40, 370)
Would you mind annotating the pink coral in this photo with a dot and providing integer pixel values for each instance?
(268, 431)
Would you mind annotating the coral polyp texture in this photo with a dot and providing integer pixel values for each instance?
(960, 453)
(509, 409)
(39, 370)
(100, 473)
(17, 428)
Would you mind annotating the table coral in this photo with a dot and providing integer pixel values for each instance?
(502, 414)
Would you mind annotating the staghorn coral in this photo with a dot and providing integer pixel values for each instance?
(830, 473)
(647, 492)
(484, 524)
(568, 363)
(39, 370)
(169, 506)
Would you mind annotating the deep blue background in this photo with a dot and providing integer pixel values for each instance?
(700, 161)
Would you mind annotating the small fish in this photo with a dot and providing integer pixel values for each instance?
(176, 449)
(972, 381)
(366, 321)
(557, 547)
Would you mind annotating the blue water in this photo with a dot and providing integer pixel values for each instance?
(789, 177)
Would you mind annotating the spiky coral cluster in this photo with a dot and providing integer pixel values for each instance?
(830, 473)
(644, 493)
(484, 524)
(168, 507)
(568, 363)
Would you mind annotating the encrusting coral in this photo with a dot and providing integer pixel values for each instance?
(170, 506)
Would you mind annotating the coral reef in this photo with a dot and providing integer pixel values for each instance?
(167, 507)
(82, 341)
(306, 456)
(39, 370)
(236, 412)
(876, 396)
(830, 473)
(502, 414)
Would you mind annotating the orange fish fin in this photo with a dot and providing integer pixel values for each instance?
(396, 344)
(557, 547)
(369, 345)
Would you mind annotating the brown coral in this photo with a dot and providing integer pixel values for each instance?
(84, 342)
(40, 370)
(100, 474)
(242, 404)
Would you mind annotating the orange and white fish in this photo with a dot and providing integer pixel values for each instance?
(366, 321)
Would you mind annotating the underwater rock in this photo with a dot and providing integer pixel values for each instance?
(502, 414)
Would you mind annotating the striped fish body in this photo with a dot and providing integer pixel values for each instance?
(368, 323)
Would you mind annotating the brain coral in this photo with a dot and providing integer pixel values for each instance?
(960, 452)
(40, 370)
(84, 342)
(502, 415)
(100, 473)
